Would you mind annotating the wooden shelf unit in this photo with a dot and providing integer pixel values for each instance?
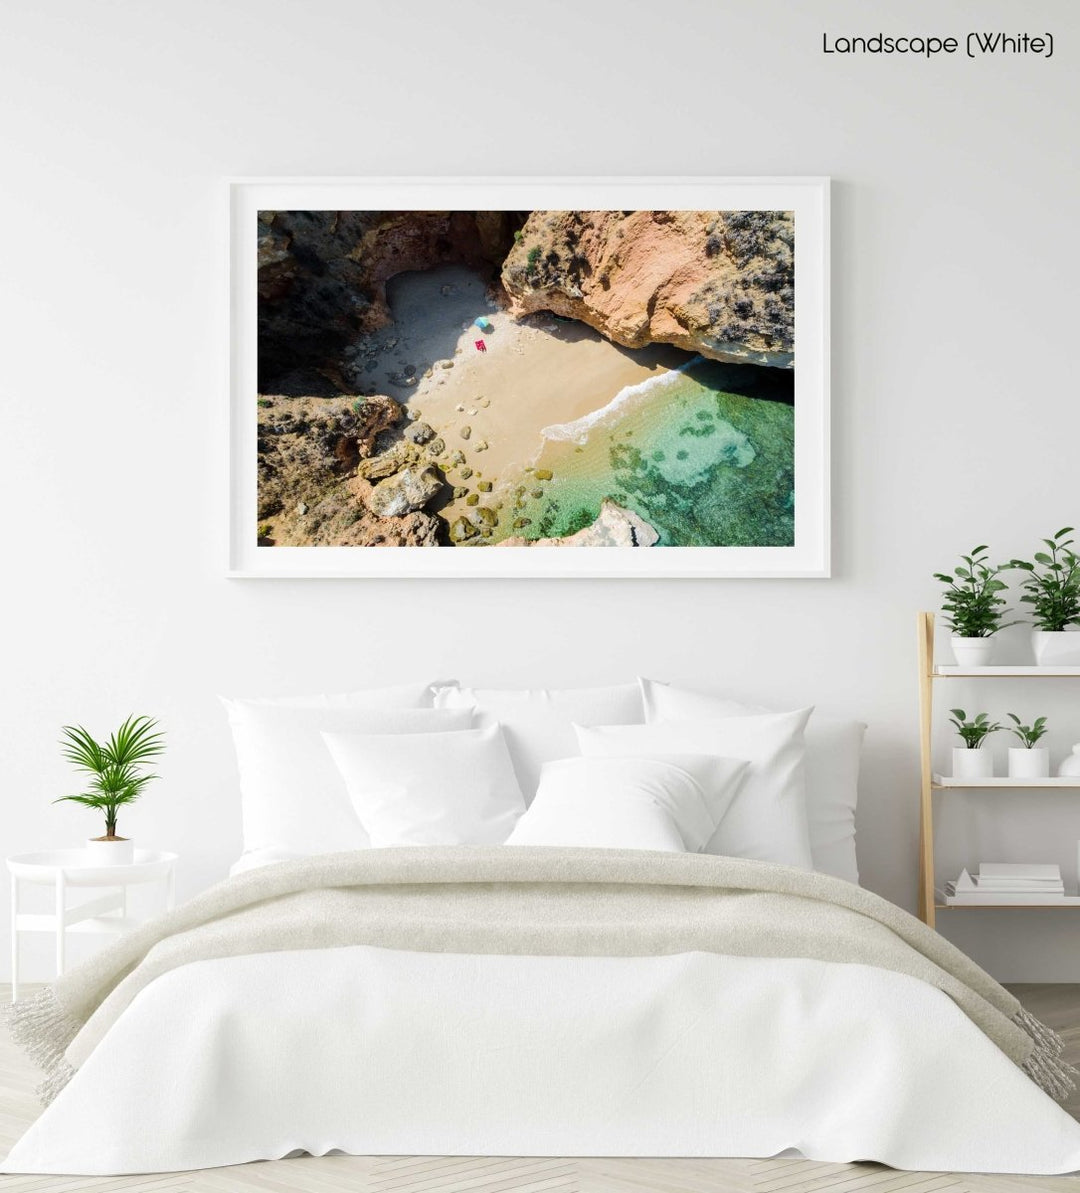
(929, 672)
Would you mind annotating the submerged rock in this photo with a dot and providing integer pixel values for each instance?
(614, 527)
(462, 530)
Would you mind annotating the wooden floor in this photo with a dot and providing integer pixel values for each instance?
(1058, 1006)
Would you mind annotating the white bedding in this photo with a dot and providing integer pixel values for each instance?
(375, 1051)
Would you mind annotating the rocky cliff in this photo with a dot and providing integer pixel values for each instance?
(323, 274)
(320, 482)
(718, 283)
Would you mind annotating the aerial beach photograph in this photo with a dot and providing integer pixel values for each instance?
(526, 379)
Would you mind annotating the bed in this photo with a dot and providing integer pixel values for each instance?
(599, 966)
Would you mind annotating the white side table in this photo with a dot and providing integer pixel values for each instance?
(63, 869)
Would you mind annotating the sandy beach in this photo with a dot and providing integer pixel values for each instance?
(491, 406)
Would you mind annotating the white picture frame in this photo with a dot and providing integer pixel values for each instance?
(807, 197)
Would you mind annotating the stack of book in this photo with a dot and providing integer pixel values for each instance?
(1007, 882)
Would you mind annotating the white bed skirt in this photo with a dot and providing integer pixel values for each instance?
(379, 1052)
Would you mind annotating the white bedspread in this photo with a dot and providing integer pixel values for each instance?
(375, 1051)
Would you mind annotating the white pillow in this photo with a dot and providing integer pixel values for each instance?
(255, 859)
(767, 818)
(292, 797)
(405, 695)
(430, 788)
(539, 722)
(672, 803)
(833, 751)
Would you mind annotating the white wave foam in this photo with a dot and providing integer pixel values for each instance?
(578, 430)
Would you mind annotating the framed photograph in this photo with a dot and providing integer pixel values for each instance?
(529, 377)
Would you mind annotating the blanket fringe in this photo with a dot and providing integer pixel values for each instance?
(43, 1030)
(1046, 1065)
(48, 1089)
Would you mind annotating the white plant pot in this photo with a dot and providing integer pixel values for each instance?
(1056, 648)
(120, 852)
(972, 764)
(972, 652)
(1029, 764)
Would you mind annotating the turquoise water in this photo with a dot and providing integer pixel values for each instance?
(701, 464)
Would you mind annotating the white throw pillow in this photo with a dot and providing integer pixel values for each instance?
(833, 753)
(539, 722)
(292, 796)
(767, 818)
(430, 788)
(672, 803)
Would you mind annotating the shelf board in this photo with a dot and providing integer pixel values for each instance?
(1070, 902)
(944, 671)
(944, 781)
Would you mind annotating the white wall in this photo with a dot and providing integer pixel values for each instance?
(956, 414)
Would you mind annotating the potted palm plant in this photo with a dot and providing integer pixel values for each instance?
(970, 761)
(117, 778)
(973, 607)
(1052, 589)
(1029, 760)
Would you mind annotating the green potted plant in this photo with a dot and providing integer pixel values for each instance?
(1029, 760)
(1052, 589)
(973, 607)
(116, 778)
(970, 761)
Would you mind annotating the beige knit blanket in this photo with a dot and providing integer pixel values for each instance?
(526, 901)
